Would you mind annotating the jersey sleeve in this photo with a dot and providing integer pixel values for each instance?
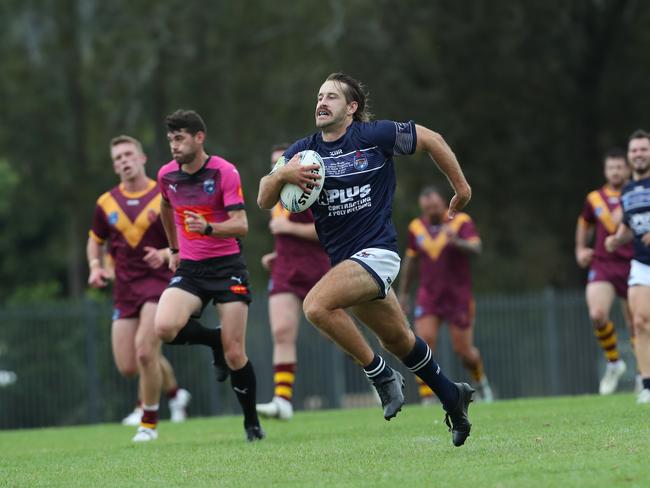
(587, 213)
(394, 138)
(100, 229)
(468, 231)
(233, 194)
(161, 187)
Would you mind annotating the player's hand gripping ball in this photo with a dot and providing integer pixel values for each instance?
(292, 197)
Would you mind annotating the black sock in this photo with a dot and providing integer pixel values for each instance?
(646, 383)
(420, 361)
(195, 333)
(243, 384)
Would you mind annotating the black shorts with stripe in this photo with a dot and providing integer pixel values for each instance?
(222, 279)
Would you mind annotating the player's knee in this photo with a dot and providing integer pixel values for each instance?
(165, 330)
(314, 312)
(128, 370)
(598, 316)
(641, 323)
(145, 355)
(235, 355)
(283, 334)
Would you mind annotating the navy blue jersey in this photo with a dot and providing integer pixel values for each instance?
(636, 215)
(354, 209)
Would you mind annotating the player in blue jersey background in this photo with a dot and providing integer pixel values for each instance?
(353, 222)
(635, 227)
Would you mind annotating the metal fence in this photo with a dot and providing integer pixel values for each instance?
(56, 366)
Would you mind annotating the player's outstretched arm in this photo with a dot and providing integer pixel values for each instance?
(292, 172)
(623, 236)
(435, 146)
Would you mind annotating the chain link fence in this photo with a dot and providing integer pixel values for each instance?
(56, 366)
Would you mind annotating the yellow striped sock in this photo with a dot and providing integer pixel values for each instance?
(608, 341)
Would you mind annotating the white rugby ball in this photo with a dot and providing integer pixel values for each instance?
(292, 197)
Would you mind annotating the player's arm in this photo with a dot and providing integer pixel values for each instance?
(408, 275)
(98, 276)
(584, 253)
(291, 172)
(468, 246)
(303, 230)
(435, 146)
(623, 236)
(235, 226)
(167, 219)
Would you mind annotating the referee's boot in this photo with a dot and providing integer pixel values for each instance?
(456, 418)
(390, 393)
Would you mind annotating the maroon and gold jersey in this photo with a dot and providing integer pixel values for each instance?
(299, 262)
(129, 222)
(600, 209)
(445, 274)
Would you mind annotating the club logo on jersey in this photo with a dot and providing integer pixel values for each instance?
(209, 186)
(345, 195)
(360, 161)
(112, 218)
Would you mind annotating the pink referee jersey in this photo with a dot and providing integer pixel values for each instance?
(212, 191)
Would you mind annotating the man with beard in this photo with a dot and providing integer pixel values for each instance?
(608, 272)
(442, 248)
(636, 228)
(353, 222)
(203, 214)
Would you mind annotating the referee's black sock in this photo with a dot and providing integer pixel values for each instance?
(243, 384)
(195, 333)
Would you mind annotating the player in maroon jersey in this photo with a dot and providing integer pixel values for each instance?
(127, 221)
(442, 248)
(203, 214)
(608, 272)
(296, 264)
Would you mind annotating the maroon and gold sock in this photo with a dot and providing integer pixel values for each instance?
(476, 370)
(149, 416)
(608, 341)
(171, 393)
(426, 393)
(284, 377)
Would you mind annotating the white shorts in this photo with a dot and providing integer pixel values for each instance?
(639, 274)
(382, 264)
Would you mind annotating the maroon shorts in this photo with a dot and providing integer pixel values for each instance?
(129, 298)
(614, 272)
(296, 280)
(459, 313)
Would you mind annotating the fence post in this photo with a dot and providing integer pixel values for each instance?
(92, 375)
(337, 379)
(552, 344)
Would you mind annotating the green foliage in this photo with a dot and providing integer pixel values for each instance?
(568, 442)
(529, 95)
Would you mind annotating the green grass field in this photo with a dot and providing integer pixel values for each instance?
(560, 442)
